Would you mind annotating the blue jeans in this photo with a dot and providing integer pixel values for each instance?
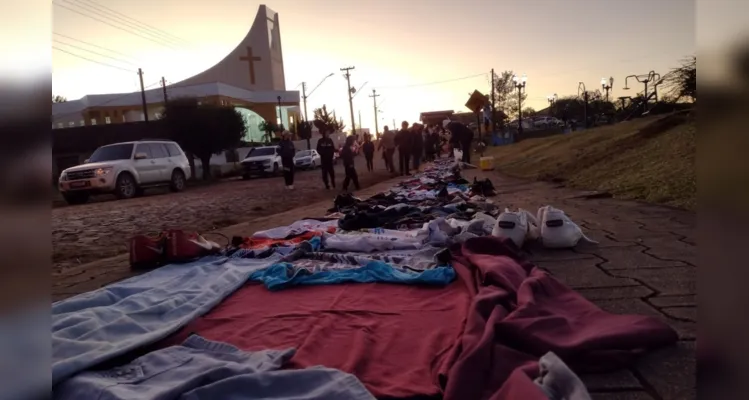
(200, 369)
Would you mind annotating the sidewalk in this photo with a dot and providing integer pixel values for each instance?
(645, 263)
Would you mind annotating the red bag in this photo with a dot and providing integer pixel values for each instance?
(182, 246)
(147, 252)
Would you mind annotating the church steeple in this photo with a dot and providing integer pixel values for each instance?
(257, 61)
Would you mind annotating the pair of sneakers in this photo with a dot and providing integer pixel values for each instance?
(170, 246)
(551, 225)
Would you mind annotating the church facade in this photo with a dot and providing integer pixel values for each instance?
(250, 78)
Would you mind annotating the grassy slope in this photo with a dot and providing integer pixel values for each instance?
(651, 159)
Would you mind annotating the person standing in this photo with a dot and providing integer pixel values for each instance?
(368, 148)
(387, 145)
(347, 155)
(403, 142)
(417, 144)
(461, 138)
(326, 149)
(286, 151)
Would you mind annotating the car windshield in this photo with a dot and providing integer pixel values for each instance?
(304, 153)
(114, 152)
(261, 151)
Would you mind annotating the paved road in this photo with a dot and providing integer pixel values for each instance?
(645, 263)
(88, 232)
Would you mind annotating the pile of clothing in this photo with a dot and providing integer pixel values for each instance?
(406, 294)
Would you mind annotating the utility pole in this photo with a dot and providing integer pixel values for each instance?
(494, 111)
(304, 98)
(143, 95)
(374, 97)
(350, 100)
(360, 127)
(163, 88)
(394, 127)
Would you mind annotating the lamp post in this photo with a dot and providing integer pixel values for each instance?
(520, 83)
(583, 92)
(645, 79)
(607, 85)
(305, 96)
(552, 99)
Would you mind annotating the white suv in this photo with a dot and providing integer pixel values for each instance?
(261, 161)
(547, 122)
(125, 169)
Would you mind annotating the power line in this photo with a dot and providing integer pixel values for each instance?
(145, 25)
(124, 19)
(93, 61)
(95, 45)
(115, 26)
(93, 52)
(434, 83)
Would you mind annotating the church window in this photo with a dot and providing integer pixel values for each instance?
(93, 121)
(71, 123)
(107, 120)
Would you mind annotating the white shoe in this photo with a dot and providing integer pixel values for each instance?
(558, 230)
(516, 225)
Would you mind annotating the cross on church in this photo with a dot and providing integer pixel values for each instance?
(251, 59)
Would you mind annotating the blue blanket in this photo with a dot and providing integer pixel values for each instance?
(108, 322)
(283, 275)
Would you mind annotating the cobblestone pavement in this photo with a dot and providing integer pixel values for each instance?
(645, 263)
(89, 232)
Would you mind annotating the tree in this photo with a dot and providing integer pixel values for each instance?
(203, 129)
(304, 130)
(505, 93)
(58, 99)
(681, 82)
(268, 127)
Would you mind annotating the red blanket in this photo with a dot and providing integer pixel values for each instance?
(399, 340)
(519, 313)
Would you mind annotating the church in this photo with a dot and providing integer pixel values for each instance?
(250, 78)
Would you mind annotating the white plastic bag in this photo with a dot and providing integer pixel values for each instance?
(516, 225)
(558, 230)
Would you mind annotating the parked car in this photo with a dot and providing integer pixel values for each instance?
(307, 159)
(126, 170)
(261, 161)
(547, 122)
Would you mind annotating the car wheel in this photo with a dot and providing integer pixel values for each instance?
(178, 183)
(73, 198)
(126, 188)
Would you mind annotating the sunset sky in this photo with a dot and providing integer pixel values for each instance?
(401, 48)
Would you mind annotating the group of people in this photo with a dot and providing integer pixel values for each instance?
(415, 143)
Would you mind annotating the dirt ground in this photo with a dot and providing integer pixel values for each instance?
(89, 232)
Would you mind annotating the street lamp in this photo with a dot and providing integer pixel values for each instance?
(520, 83)
(645, 79)
(607, 85)
(306, 96)
(552, 98)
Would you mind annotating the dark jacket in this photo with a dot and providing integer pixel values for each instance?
(286, 150)
(417, 142)
(326, 149)
(403, 139)
(347, 155)
(460, 133)
(368, 148)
